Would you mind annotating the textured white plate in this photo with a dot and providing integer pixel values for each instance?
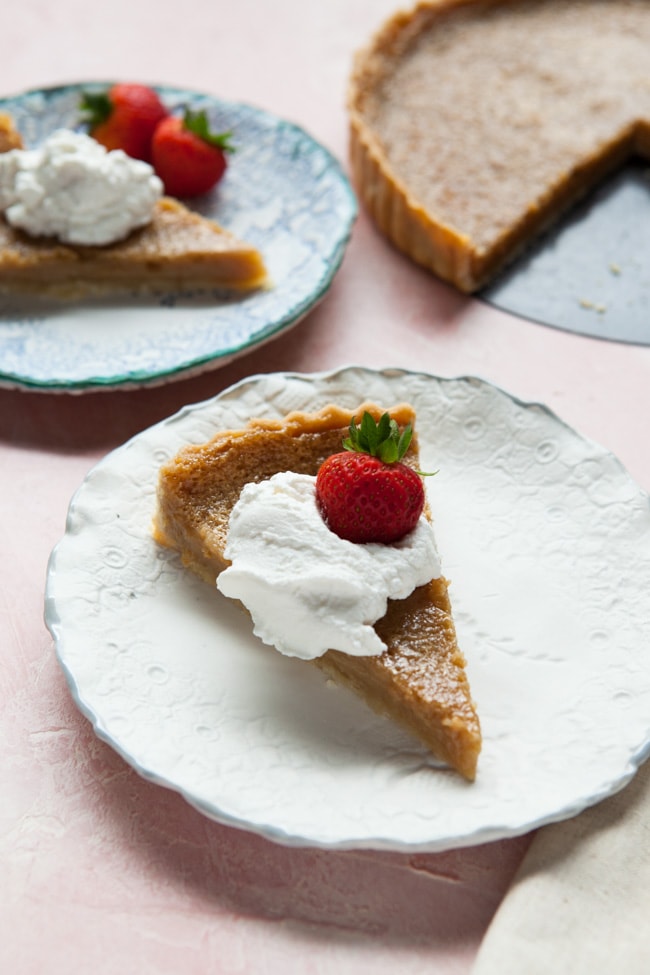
(282, 192)
(546, 540)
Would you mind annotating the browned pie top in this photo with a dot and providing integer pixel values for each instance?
(481, 110)
(174, 234)
(200, 486)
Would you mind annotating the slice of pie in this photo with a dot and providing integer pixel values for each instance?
(420, 680)
(178, 250)
(476, 123)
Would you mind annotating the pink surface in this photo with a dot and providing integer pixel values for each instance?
(102, 871)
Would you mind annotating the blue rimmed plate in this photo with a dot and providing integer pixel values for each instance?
(283, 192)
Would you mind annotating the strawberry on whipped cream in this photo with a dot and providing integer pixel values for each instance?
(306, 589)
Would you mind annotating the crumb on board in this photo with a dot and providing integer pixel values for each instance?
(592, 306)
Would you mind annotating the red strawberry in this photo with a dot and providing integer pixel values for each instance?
(188, 157)
(365, 493)
(125, 117)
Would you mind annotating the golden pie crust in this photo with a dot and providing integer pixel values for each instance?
(178, 250)
(420, 681)
(475, 123)
(9, 136)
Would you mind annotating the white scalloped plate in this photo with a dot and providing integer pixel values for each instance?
(546, 540)
(282, 192)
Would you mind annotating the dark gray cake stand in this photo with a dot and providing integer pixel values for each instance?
(591, 273)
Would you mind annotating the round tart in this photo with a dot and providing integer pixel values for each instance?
(476, 123)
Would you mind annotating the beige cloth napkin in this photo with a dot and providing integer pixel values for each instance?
(580, 902)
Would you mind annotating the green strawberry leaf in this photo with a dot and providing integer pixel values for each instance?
(369, 437)
(198, 123)
(95, 108)
(385, 429)
(405, 440)
(383, 439)
(379, 439)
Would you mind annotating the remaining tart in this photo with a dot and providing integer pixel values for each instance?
(475, 123)
(420, 680)
(178, 250)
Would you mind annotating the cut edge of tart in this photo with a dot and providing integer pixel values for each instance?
(420, 680)
(179, 250)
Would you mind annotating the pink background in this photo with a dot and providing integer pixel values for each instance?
(99, 870)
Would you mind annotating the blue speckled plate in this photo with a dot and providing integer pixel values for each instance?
(283, 192)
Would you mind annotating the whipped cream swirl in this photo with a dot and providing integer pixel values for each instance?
(306, 589)
(72, 188)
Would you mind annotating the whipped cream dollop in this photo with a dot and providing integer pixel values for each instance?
(72, 188)
(306, 589)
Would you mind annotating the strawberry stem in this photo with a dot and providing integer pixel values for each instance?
(379, 439)
(95, 108)
(198, 123)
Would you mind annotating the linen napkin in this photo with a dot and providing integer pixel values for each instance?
(580, 901)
